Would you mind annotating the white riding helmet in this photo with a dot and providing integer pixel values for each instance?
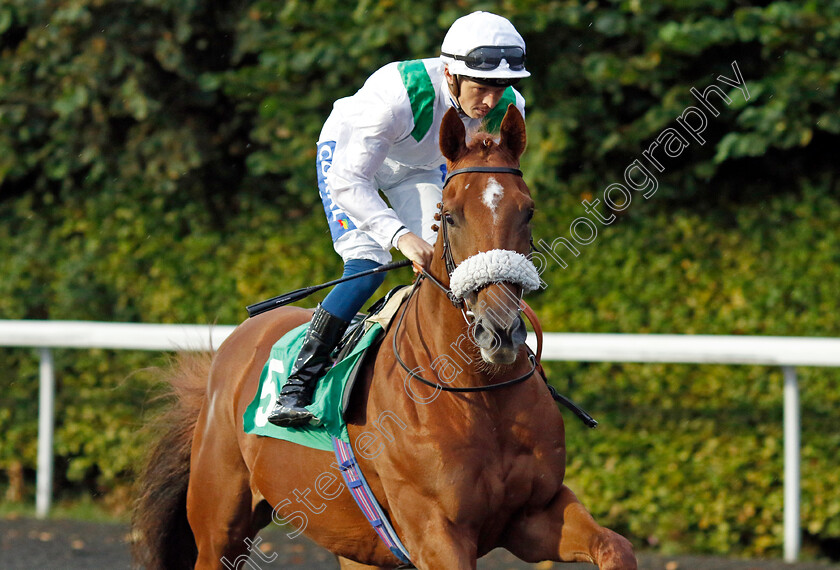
(486, 47)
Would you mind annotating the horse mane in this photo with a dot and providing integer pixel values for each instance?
(483, 143)
(482, 137)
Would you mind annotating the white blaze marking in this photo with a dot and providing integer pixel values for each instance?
(492, 195)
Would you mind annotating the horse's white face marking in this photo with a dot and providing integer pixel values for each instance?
(493, 193)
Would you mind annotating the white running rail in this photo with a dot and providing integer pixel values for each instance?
(786, 352)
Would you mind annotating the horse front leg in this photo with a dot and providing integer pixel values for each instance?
(441, 548)
(566, 532)
(433, 541)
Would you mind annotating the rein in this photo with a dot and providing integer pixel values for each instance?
(422, 380)
(458, 302)
(536, 365)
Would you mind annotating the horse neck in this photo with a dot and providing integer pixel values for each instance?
(438, 319)
(436, 334)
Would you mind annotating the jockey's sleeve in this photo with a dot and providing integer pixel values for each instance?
(368, 130)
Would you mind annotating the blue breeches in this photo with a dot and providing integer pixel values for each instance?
(345, 299)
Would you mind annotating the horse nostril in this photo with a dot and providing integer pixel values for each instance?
(482, 336)
(478, 329)
(518, 331)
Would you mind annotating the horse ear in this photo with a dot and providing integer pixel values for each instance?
(513, 131)
(453, 135)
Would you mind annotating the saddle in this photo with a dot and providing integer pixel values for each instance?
(356, 329)
(381, 312)
(332, 395)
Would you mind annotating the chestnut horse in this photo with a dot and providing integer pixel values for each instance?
(458, 473)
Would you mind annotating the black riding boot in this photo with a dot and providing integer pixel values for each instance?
(312, 362)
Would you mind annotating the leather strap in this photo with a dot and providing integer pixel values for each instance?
(535, 322)
(494, 169)
(588, 420)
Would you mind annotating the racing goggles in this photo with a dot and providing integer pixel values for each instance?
(486, 58)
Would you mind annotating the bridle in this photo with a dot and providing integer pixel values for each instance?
(448, 260)
(435, 385)
(458, 302)
(447, 252)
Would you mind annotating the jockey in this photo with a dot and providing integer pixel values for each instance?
(385, 137)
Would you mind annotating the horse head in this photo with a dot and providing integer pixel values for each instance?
(486, 235)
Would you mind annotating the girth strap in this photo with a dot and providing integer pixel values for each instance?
(367, 502)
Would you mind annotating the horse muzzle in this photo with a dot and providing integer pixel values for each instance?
(498, 345)
(497, 328)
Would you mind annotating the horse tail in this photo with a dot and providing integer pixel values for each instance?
(162, 537)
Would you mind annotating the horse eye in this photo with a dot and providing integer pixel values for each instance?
(447, 217)
(530, 215)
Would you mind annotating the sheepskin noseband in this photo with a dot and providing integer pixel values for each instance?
(494, 266)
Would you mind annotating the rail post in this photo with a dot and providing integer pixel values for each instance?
(792, 422)
(46, 398)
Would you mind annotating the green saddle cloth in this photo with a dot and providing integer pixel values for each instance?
(327, 403)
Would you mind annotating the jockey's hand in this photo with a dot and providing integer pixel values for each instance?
(416, 249)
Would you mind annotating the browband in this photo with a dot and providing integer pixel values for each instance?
(496, 169)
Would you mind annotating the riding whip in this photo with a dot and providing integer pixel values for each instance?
(298, 294)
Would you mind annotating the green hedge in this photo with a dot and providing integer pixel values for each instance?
(691, 457)
(687, 458)
(156, 165)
